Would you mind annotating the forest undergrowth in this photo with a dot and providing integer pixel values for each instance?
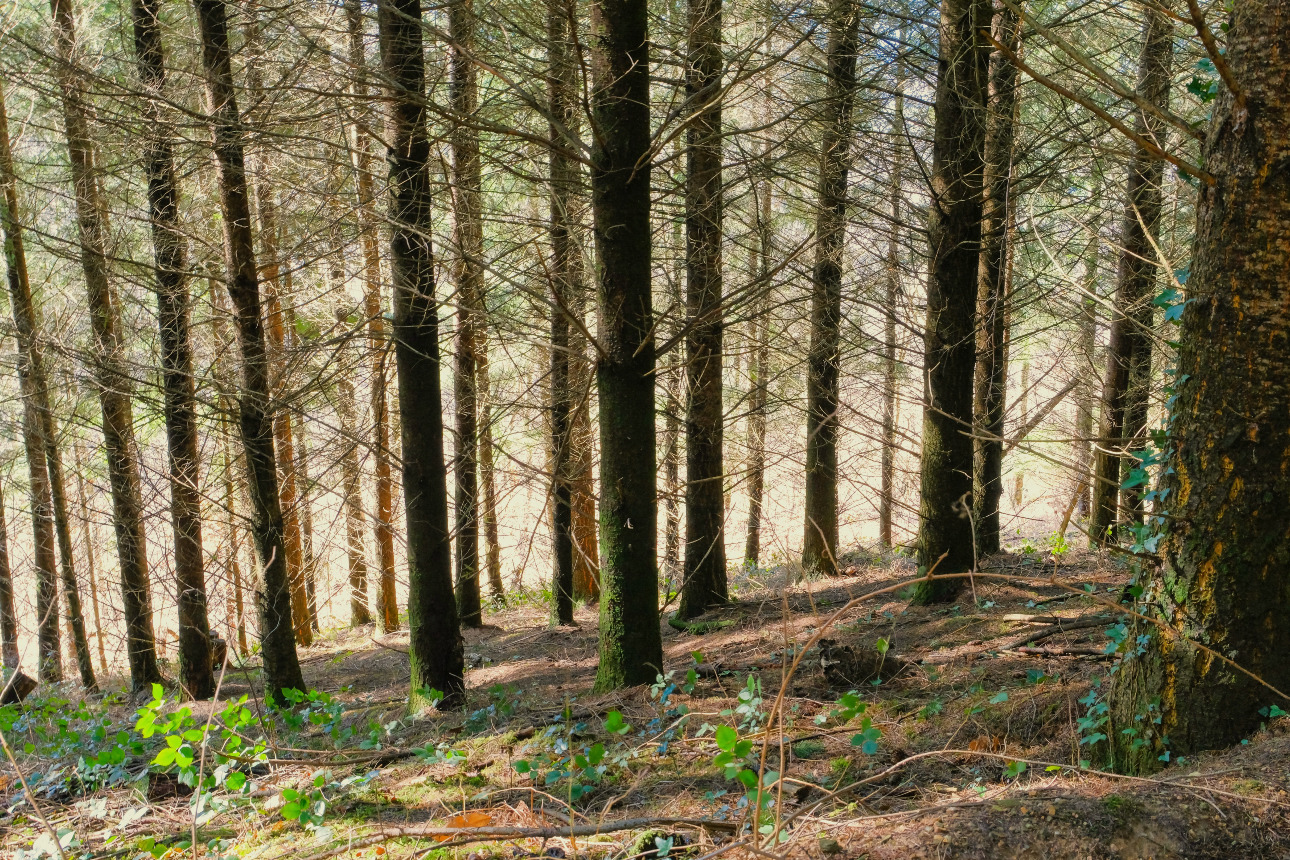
(826, 718)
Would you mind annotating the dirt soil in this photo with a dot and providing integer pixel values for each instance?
(956, 714)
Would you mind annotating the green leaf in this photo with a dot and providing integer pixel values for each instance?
(165, 758)
(292, 811)
(522, 766)
(999, 697)
(726, 738)
(615, 724)
(882, 645)
(235, 781)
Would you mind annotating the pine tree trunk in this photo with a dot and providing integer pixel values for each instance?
(954, 239)
(307, 523)
(488, 476)
(759, 377)
(35, 401)
(226, 387)
(586, 536)
(437, 650)
(1226, 487)
(352, 485)
(820, 532)
(113, 382)
(195, 676)
(631, 650)
(87, 534)
(990, 395)
(232, 564)
(469, 240)
(563, 175)
(273, 597)
(387, 608)
(704, 570)
(1130, 340)
(9, 656)
(892, 297)
(1081, 448)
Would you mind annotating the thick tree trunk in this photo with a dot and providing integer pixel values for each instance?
(562, 103)
(704, 571)
(891, 300)
(989, 398)
(273, 597)
(9, 656)
(437, 650)
(468, 237)
(112, 379)
(1227, 486)
(387, 609)
(820, 532)
(1130, 342)
(631, 649)
(35, 402)
(954, 238)
(195, 676)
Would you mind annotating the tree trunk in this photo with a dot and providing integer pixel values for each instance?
(488, 476)
(631, 650)
(759, 371)
(469, 240)
(195, 676)
(1226, 487)
(113, 382)
(226, 387)
(351, 479)
(704, 571)
(673, 385)
(9, 655)
(990, 395)
(273, 597)
(307, 523)
(87, 534)
(1019, 481)
(892, 297)
(35, 401)
(437, 649)
(1081, 448)
(387, 608)
(586, 537)
(1130, 340)
(954, 239)
(820, 533)
(563, 105)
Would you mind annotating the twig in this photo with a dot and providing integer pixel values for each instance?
(1215, 55)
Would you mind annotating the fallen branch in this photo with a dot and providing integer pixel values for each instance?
(1065, 651)
(1048, 632)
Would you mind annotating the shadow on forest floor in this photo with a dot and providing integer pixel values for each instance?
(961, 685)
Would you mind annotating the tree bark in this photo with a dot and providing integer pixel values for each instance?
(759, 373)
(9, 655)
(954, 239)
(488, 475)
(387, 608)
(35, 401)
(273, 597)
(1130, 340)
(631, 650)
(990, 394)
(195, 676)
(820, 533)
(562, 168)
(1226, 488)
(704, 571)
(892, 297)
(112, 379)
(437, 650)
(1081, 448)
(91, 551)
(468, 237)
(352, 486)
(307, 523)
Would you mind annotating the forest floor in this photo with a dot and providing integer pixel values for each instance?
(962, 747)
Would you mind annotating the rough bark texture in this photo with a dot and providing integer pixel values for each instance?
(989, 398)
(387, 609)
(9, 656)
(1222, 582)
(562, 103)
(1130, 341)
(704, 570)
(31, 380)
(437, 649)
(273, 596)
(954, 239)
(631, 650)
(195, 676)
(820, 532)
(112, 380)
(468, 236)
